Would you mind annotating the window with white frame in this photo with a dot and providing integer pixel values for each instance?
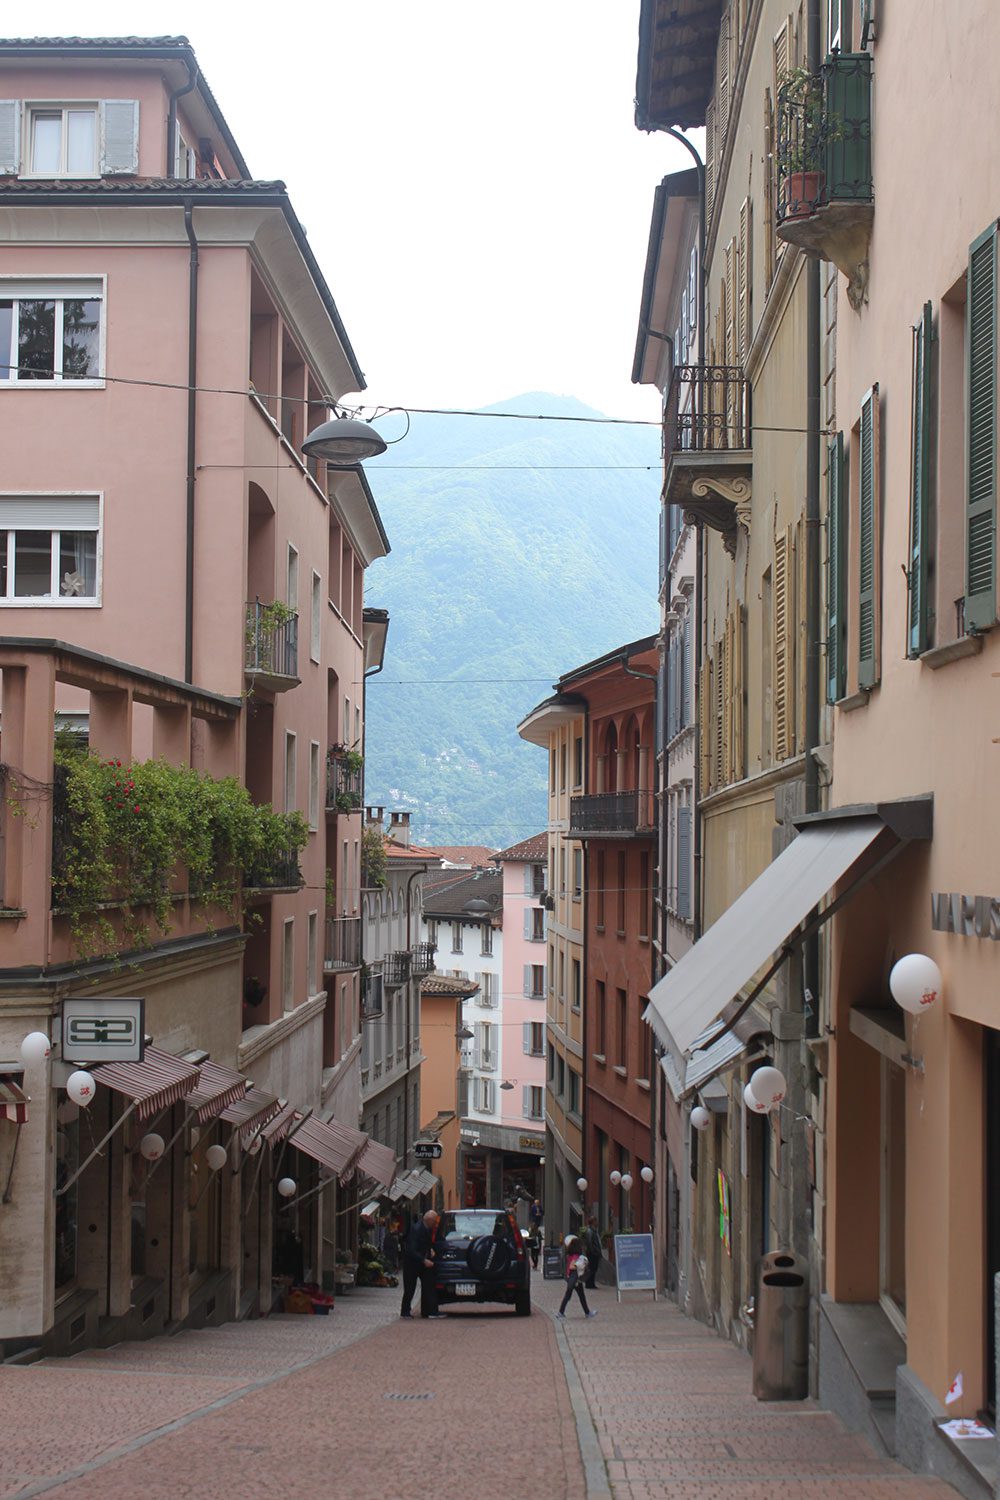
(533, 1040)
(486, 938)
(50, 549)
(288, 964)
(314, 784)
(292, 579)
(316, 618)
(486, 1098)
(61, 140)
(456, 937)
(51, 329)
(533, 1102)
(486, 1046)
(289, 771)
(487, 988)
(312, 952)
(185, 160)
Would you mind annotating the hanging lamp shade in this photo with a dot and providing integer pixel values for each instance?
(343, 442)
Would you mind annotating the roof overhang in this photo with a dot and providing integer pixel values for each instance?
(609, 662)
(704, 996)
(678, 41)
(675, 210)
(552, 714)
(350, 495)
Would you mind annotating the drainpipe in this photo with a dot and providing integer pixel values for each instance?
(172, 115)
(191, 414)
(813, 470)
(406, 1076)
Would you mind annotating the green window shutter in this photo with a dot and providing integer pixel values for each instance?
(836, 621)
(918, 613)
(868, 538)
(981, 433)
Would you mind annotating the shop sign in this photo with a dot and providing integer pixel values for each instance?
(427, 1150)
(966, 916)
(98, 1029)
(531, 1143)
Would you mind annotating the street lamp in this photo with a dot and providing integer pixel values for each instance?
(464, 1035)
(343, 442)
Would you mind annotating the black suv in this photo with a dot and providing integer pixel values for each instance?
(480, 1256)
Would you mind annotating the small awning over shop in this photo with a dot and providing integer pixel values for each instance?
(377, 1162)
(411, 1184)
(280, 1124)
(153, 1084)
(685, 1075)
(694, 994)
(13, 1103)
(215, 1090)
(333, 1145)
(250, 1112)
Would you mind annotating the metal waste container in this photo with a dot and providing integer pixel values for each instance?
(781, 1329)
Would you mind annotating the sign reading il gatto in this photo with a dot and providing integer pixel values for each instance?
(966, 916)
(99, 1029)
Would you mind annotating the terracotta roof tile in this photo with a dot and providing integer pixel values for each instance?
(448, 985)
(529, 850)
(466, 854)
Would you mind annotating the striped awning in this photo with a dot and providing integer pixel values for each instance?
(280, 1124)
(13, 1103)
(215, 1090)
(250, 1112)
(333, 1145)
(377, 1162)
(412, 1184)
(153, 1084)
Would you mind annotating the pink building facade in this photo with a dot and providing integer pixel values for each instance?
(525, 988)
(177, 580)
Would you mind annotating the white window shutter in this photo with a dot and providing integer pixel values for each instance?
(527, 922)
(119, 137)
(10, 137)
(526, 1037)
(526, 1101)
(527, 981)
(528, 887)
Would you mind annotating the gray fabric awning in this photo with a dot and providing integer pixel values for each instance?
(708, 1058)
(711, 974)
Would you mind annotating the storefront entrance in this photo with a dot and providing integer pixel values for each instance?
(892, 1228)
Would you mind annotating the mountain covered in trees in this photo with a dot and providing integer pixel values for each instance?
(520, 550)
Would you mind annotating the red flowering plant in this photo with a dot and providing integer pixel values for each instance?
(133, 835)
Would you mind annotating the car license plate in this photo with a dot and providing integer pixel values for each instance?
(465, 1289)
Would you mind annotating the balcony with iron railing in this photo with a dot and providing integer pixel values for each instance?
(707, 446)
(277, 872)
(343, 943)
(422, 957)
(344, 783)
(396, 969)
(271, 647)
(371, 995)
(825, 203)
(614, 815)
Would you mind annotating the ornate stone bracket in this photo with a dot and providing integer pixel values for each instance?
(839, 232)
(738, 491)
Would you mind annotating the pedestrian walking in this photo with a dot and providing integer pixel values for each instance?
(576, 1274)
(418, 1265)
(592, 1245)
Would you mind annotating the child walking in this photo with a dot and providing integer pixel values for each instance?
(576, 1275)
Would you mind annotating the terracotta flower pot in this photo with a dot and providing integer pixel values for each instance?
(803, 191)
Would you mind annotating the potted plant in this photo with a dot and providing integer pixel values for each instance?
(807, 128)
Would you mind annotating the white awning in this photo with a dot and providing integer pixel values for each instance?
(711, 974)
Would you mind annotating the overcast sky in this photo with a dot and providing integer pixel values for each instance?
(469, 175)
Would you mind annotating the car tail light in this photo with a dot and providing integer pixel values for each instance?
(518, 1241)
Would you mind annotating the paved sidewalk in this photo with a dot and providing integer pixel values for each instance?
(674, 1416)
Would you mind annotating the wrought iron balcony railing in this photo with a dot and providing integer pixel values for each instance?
(422, 959)
(612, 814)
(707, 410)
(371, 995)
(271, 654)
(396, 969)
(343, 943)
(279, 872)
(344, 784)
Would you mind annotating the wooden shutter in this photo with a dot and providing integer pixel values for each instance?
(868, 541)
(981, 433)
(709, 158)
(526, 1037)
(719, 713)
(686, 672)
(119, 137)
(704, 720)
(730, 306)
(528, 928)
(783, 666)
(737, 713)
(10, 137)
(527, 981)
(783, 45)
(529, 886)
(684, 862)
(836, 570)
(744, 283)
(770, 195)
(723, 85)
(799, 631)
(918, 611)
(728, 748)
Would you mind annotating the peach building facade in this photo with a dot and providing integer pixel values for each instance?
(178, 580)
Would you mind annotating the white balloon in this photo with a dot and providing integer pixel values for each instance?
(36, 1047)
(216, 1158)
(81, 1087)
(646, 1174)
(700, 1118)
(626, 1180)
(615, 1178)
(768, 1087)
(752, 1103)
(152, 1146)
(915, 982)
(255, 1147)
(286, 1187)
(582, 1184)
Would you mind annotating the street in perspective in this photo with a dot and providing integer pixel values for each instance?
(499, 721)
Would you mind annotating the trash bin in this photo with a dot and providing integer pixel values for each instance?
(781, 1329)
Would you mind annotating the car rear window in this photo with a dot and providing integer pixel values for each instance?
(469, 1226)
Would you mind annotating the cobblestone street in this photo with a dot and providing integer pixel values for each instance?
(639, 1402)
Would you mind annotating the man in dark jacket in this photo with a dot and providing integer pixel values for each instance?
(418, 1265)
(593, 1249)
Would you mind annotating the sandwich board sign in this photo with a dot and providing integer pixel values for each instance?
(99, 1029)
(634, 1268)
(553, 1263)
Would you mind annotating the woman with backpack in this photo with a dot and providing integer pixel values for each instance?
(576, 1275)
